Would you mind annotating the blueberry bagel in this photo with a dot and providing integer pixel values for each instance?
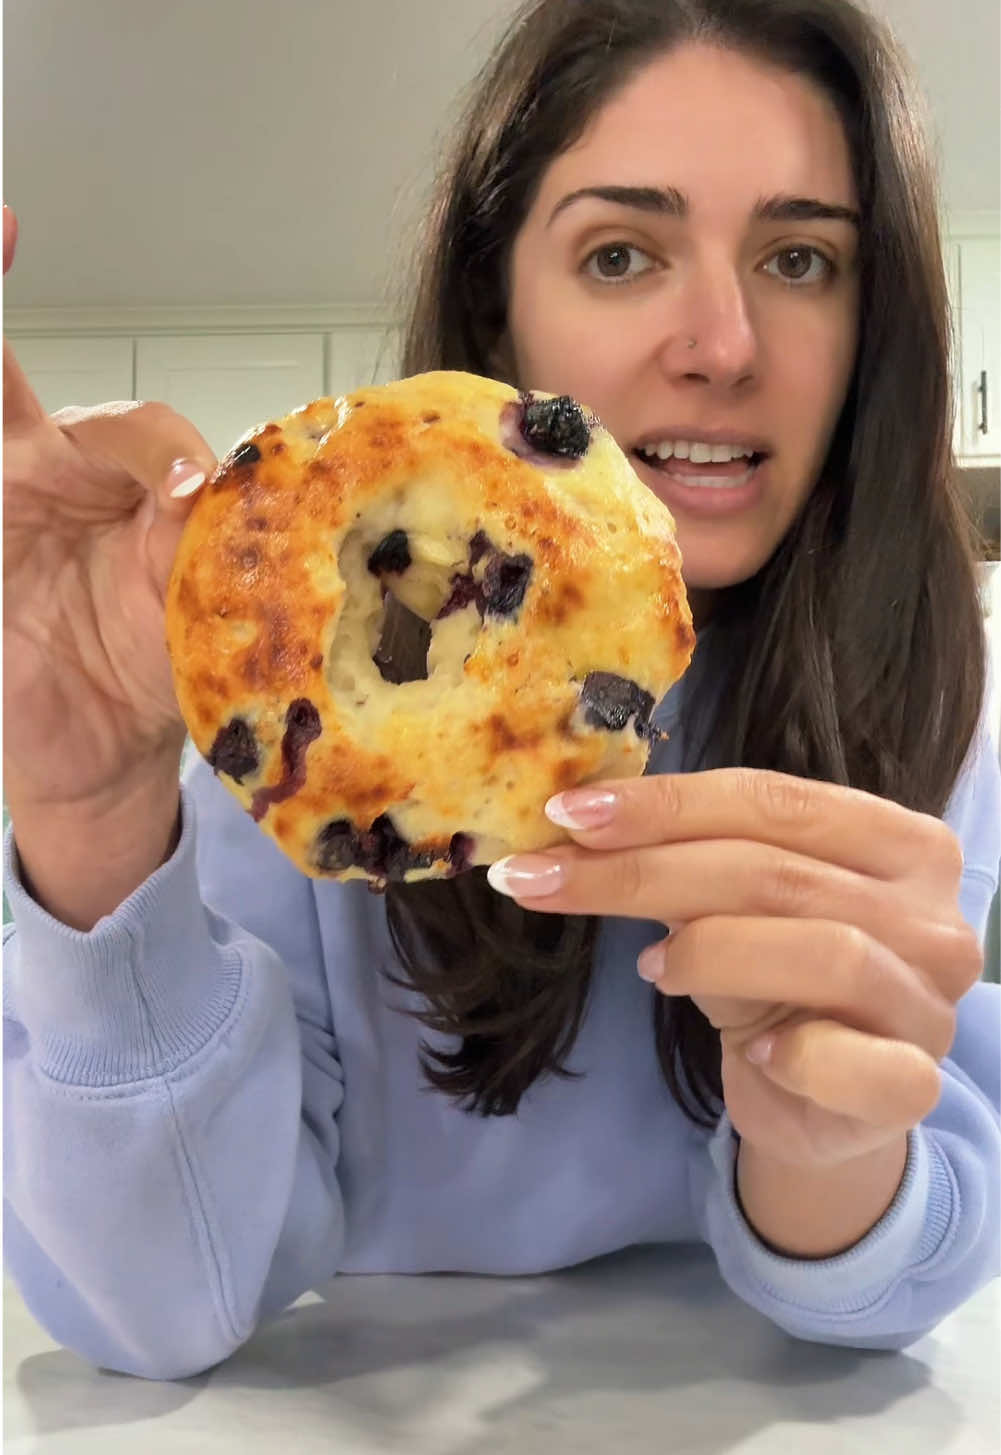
(399, 620)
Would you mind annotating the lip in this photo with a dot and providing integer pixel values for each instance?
(705, 502)
(757, 443)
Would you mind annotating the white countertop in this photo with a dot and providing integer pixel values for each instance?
(642, 1352)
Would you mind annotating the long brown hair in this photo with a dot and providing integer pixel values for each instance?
(855, 654)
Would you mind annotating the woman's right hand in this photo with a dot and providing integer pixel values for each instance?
(92, 732)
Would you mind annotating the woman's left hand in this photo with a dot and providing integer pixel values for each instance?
(817, 928)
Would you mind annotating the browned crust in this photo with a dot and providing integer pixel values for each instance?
(256, 594)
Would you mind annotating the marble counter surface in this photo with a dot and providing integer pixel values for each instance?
(642, 1352)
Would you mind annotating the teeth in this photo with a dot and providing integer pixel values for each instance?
(718, 482)
(699, 451)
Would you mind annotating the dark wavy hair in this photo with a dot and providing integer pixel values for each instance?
(855, 654)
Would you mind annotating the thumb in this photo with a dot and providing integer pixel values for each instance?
(157, 447)
(9, 237)
(20, 404)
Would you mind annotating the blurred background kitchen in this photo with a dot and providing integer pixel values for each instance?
(218, 201)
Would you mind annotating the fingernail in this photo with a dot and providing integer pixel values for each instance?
(184, 477)
(760, 1049)
(582, 808)
(650, 964)
(525, 876)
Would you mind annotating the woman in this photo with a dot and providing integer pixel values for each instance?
(708, 220)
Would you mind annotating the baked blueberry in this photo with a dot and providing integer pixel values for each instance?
(387, 853)
(505, 582)
(464, 589)
(247, 455)
(234, 750)
(391, 556)
(556, 426)
(460, 854)
(479, 545)
(610, 701)
(302, 726)
(380, 850)
(337, 846)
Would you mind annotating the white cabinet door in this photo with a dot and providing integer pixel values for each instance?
(76, 370)
(359, 356)
(978, 386)
(227, 384)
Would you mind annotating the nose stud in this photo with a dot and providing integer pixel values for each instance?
(691, 343)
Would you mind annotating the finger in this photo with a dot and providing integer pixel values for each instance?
(9, 237)
(884, 1082)
(677, 883)
(823, 965)
(21, 406)
(21, 403)
(845, 826)
(151, 443)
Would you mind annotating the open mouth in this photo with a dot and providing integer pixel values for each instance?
(719, 468)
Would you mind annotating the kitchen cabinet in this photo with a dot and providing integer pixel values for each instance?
(361, 355)
(975, 288)
(226, 384)
(77, 369)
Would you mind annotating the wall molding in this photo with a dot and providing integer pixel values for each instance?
(971, 224)
(192, 319)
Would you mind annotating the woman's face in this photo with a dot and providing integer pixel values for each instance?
(704, 303)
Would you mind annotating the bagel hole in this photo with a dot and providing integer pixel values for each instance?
(404, 639)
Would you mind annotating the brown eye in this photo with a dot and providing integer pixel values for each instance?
(613, 261)
(617, 263)
(800, 265)
(795, 263)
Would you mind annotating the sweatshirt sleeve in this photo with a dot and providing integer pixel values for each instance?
(170, 1112)
(939, 1240)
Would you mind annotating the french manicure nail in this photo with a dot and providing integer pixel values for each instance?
(650, 964)
(184, 477)
(582, 808)
(759, 1050)
(525, 876)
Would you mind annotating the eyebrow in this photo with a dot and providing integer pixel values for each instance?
(669, 202)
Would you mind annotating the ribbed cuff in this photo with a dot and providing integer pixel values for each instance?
(914, 1229)
(135, 996)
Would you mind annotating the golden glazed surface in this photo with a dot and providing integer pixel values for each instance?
(533, 570)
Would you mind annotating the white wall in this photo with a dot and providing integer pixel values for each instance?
(251, 151)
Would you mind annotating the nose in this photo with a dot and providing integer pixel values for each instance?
(709, 335)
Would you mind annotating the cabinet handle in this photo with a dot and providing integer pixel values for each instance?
(982, 391)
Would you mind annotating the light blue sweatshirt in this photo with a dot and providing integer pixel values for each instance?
(212, 1105)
